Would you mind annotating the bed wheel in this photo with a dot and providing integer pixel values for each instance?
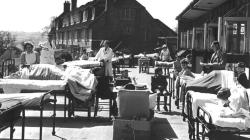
(53, 133)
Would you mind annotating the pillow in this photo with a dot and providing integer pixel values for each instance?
(238, 99)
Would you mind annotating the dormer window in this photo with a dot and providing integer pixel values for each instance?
(128, 13)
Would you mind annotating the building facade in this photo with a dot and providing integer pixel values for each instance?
(227, 21)
(125, 22)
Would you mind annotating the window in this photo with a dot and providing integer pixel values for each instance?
(127, 13)
(84, 16)
(127, 30)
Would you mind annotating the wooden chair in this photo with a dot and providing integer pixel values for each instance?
(104, 92)
(167, 96)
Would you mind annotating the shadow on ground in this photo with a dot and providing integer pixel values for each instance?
(172, 113)
(161, 129)
(77, 122)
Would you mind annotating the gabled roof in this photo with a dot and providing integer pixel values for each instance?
(157, 21)
(198, 8)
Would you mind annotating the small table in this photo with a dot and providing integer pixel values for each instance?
(143, 62)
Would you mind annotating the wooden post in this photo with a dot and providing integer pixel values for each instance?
(205, 36)
(219, 29)
(180, 46)
(193, 38)
(187, 39)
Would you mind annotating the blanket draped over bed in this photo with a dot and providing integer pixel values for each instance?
(81, 82)
(212, 82)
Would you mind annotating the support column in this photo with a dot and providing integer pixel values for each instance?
(193, 38)
(188, 39)
(205, 36)
(219, 38)
(180, 41)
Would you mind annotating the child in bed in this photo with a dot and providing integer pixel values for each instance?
(235, 102)
(241, 75)
(185, 72)
(159, 85)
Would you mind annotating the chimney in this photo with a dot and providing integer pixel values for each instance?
(106, 5)
(73, 4)
(66, 7)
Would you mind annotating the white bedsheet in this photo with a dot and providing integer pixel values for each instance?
(21, 96)
(199, 99)
(24, 98)
(215, 110)
(16, 85)
(84, 63)
(237, 117)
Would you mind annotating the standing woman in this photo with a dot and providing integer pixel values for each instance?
(29, 57)
(105, 55)
(165, 54)
(216, 61)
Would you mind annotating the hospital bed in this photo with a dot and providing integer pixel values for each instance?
(10, 113)
(212, 123)
(59, 87)
(194, 91)
(33, 101)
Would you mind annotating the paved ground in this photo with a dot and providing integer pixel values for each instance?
(165, 126)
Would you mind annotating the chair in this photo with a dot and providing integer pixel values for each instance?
(143, 65)
(8, 66)
(157, 84)
(104, 91)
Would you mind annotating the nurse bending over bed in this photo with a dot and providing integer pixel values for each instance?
(105, 55)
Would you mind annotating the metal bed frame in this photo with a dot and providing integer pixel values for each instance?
(18, 108)
(190, 119)
(43, 102)
(209, 129)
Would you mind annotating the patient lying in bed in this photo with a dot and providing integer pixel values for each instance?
(81, 81)
(232, 111)
(38, 72)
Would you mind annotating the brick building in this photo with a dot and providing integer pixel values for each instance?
(125, 22)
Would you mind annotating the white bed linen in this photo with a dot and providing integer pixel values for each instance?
(21, 97)
(215, 110)
(16, 85)
(84, 63)
(237, 117)
(199, 99)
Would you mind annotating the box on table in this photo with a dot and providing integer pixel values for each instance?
(131, 129)
(133, 103)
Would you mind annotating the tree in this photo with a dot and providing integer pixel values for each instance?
(6, 39)
(46, 29)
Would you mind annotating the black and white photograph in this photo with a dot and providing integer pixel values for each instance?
(124, 70)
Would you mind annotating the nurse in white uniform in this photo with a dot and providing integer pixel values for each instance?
(105, 55)
(29, 57)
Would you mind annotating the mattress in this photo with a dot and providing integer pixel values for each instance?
(28, 100)
(84, 63)
(199, 99)
(16, 85)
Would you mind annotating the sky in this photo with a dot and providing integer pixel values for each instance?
(33, 15)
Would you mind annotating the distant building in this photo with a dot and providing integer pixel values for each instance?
(125, 22)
